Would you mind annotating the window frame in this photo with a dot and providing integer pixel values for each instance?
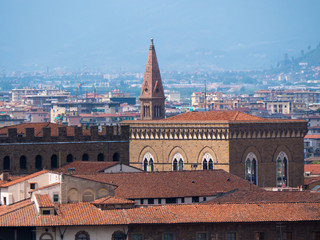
(82, 232)
(251, 168)
(284, 166)
(148, 162)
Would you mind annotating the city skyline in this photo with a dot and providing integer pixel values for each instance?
(189, 36)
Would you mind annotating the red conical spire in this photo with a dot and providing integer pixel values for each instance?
(152, 95)
(152, 84)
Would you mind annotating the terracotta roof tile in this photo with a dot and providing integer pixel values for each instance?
(82, 167)
(267, 197)
(43, 200)
(308, 181)
(313, 168)
(312, 136)
(172, 184)
(113, 200)
(213, 117)
(86, 214)
(21, 129)
(10, 183)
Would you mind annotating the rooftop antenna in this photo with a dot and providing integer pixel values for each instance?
(205, 94)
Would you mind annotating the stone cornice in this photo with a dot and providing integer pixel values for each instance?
(226, 132)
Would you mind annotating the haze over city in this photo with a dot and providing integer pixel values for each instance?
(111, 36)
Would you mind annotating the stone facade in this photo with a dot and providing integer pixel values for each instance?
(22, 154)
(223, 231)
(228, 144)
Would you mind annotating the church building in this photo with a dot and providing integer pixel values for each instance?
(266, 152)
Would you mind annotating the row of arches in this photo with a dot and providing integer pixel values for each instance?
(53, 160)
(177, 162)
(83, 235)
(251, 166)
(251, 169)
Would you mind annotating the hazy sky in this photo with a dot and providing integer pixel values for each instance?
(189, 35)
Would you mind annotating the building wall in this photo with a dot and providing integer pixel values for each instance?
(74, 189)
(192, 152)
(21, 191)
(228, 144)
(219, 231)
(30, 146)
(266, 151)
(95, 232)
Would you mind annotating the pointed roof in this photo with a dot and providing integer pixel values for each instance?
(152, 84)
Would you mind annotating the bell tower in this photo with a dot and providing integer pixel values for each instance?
(152, 95)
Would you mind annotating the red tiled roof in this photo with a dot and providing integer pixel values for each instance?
(172, 184)
(43, 200)
(21, 129)
(110, 115)
(113, 200)
(313, 168)
(308, 181)
(312, 136)
(10, 183)
(85, 214)
(212, 117)
(267, 197)
(86, 167)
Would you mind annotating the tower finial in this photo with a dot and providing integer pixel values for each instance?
(151, 41)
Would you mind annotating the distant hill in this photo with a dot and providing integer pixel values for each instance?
(312, 58)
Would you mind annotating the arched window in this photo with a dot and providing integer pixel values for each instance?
(282, 170)
(6, 163)
(251, 168)
(116, 157)
(82, 235)
(210, 164)
(100, 157)
(88, 196)
(177, 159)
(46, 236)
(118, 235)
(151, 165)
(145, 165)
(85, 157)
(69, 158)
(38, 162)
(207, 162)
(180, 164)
(148, 162)
(23, 162)
(175, 165)
(54, 161)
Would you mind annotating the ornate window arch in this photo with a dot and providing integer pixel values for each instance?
(82, 235)
(282, 169)
(148, 162)
(251, 168)
(207, 162)
(46, 236)
(177, 162)
(119, 235)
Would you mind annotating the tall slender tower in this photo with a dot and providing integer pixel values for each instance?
(152, 95)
